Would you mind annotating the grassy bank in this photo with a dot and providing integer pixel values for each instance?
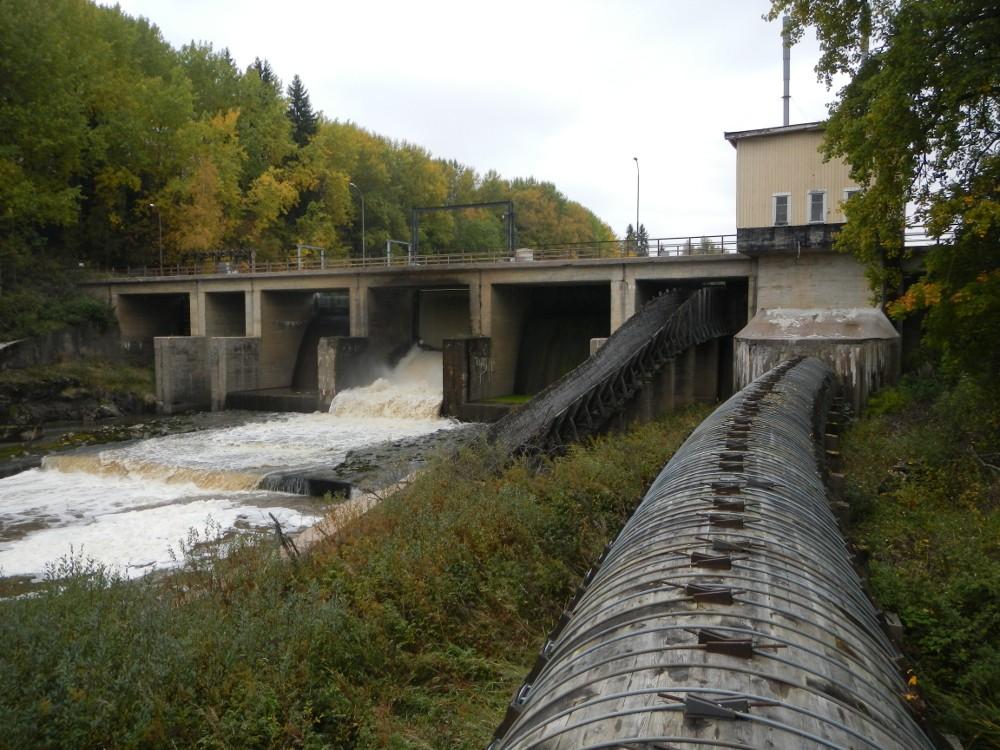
(69, 392)
(924, 483)
(411, 630)
(92, 374)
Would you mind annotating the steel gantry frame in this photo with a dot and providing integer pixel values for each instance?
(508, 218)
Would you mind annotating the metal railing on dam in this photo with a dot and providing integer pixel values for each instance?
(245, 262)
(726, 613)
(582, 401)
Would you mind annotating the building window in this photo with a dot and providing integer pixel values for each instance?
(817, 206)
(848, 192)
(782, 208)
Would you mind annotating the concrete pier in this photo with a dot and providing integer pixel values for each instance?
(343, 362)
(199, 372)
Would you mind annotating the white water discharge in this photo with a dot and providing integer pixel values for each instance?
(129, 506)
(411, 389)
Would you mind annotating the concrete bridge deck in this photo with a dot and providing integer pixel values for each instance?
(631, 282)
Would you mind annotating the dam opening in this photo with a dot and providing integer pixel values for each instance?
(296, 327)
(144, 317)
(542, 332)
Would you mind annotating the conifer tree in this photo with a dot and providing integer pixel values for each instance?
(629, 240)
(266, 73)
(642, 241)
(300, 112)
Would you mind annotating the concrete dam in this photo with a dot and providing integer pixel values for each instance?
(296, 338)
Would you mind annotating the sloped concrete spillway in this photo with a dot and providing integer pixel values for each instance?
(129, 505)
(726, 613)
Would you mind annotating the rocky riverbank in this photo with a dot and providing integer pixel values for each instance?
(55, 407)
(83, 392)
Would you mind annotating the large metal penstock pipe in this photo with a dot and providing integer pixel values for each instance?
(726, 613)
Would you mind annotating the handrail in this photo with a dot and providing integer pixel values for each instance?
(656, 248)
(918, 236)
(664, 247)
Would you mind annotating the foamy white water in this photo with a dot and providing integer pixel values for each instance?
(411, 390)
(237, 457)
(127, 523)
(128, 506)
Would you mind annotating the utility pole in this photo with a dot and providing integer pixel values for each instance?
(159, 226)
(363, 251)
(636, 160)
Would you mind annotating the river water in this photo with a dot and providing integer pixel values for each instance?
(130, 506)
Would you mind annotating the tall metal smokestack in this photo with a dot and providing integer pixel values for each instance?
(786, 58)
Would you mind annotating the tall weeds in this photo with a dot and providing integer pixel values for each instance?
(924, 471)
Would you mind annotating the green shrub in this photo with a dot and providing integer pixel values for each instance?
(925, 491)
(82, 308)
(26, 312)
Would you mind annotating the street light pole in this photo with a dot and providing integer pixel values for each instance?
(159, 227)
(363, 250)
(636, 160)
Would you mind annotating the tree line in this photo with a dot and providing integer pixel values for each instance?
(112, 138)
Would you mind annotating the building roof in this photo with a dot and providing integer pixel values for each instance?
(802, 127)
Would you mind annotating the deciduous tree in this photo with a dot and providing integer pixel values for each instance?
(919, 124)
(201, 205)
(214, 78)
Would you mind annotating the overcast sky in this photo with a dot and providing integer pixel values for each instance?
(566, 92)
